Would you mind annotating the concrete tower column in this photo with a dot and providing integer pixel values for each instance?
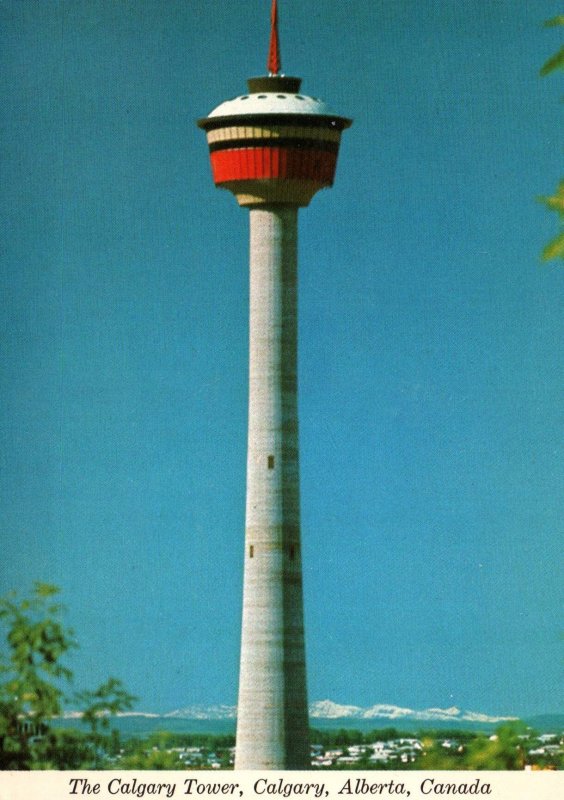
(272, 728)
(274, 148)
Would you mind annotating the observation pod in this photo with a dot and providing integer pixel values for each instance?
(273, 145)
(273, 148)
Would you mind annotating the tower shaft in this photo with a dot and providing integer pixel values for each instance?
(272, 728)
(274, 149)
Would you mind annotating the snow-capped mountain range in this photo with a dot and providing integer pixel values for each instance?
(328, 710)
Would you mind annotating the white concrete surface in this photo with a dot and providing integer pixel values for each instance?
(272, 728)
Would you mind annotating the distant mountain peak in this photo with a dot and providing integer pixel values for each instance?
(203, 712)
(328, 709)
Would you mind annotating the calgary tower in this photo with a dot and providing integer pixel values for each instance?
(273, 148)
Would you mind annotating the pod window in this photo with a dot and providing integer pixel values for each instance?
(251, 550)
(270, 462)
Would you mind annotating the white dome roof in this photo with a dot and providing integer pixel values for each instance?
(272, 103)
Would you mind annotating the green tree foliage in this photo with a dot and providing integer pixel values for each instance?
(555, 248)
(555, 202)
(31, 691)
(34, 683)
(557, 60)
(152, 759)
(62, 749)
(503, 751)
(108, 699)
(163, 750)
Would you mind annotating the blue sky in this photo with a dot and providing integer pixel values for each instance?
(430, 350)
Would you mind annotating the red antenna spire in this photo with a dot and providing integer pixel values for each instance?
(273, 64)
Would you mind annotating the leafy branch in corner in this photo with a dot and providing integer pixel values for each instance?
(33, 686)
(110, 698)
(555, 202)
